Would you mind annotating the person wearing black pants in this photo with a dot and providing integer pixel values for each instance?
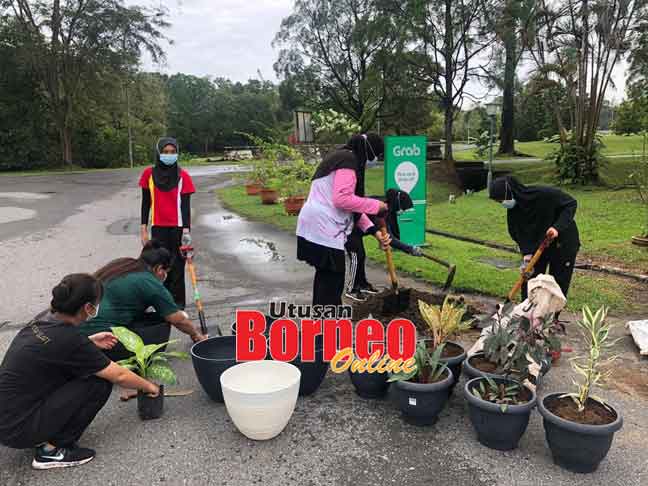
(54, 380)
(535, 213)
(335, 205)
(166, 203)
(358, 283)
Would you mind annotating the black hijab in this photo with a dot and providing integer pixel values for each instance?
(396, 201)
(165, 177)
(353, 155)
(537, 209)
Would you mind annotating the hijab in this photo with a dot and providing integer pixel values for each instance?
(165, 177)
(537, 208)
(396, 200)
(353, 155)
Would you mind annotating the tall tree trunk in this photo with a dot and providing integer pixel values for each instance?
(507, 137)
(448, 126)
(449, 91)
(66, 143)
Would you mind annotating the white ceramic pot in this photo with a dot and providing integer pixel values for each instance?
(260, 396)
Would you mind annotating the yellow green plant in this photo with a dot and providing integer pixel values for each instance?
(596, 331)
(444, 321)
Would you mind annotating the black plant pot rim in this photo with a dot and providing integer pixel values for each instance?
(194, 348)
(520, 409)
(476, 371)
(576, 427)
(427, 387)
(455, 360)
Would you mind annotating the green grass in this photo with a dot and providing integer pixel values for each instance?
(477, 216)
(631, 145)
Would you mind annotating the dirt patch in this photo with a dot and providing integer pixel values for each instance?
(594, 413)
(422, 378)
(482, 364)
(630, 379)
(451, 350)
(373, 307)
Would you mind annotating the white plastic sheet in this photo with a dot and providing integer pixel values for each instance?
(639, 331)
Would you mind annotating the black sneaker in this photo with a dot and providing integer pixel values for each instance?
(61, 457)
(369, 289)
(355, 295)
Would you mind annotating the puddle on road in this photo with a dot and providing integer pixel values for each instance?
(125, 227)
(25, 196)
(259, 249)
(216, 170)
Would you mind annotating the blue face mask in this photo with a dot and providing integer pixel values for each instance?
(168, 159)
(509, 203)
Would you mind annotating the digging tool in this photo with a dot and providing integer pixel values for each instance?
(399, 300)
(188, 253)
(452, 269)
(529, 268)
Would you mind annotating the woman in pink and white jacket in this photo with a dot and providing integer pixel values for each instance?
(336, 204)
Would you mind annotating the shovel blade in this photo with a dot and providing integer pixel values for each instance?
(396, 302)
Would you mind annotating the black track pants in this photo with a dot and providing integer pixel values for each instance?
(560, 262)
(328, 287)
(64, 415)
(171, 238)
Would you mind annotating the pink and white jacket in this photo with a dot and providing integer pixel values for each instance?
(327, 216)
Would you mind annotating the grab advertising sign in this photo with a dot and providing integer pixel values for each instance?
(405, 164)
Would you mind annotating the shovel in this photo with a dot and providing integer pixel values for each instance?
(188, 252)
(452, 269)
(529, 268)
(400, 299)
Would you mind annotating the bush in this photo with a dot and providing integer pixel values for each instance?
(576, 164)
(331, 127)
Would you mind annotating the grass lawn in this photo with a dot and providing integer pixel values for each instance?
(599, 218)
(614, 145)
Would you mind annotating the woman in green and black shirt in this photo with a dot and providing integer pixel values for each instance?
(131, 287)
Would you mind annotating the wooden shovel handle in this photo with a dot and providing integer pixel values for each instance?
(518, 285)
(390, 263)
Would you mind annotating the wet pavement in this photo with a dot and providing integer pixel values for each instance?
(334, 437)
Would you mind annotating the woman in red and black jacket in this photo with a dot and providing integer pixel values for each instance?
(166, 193)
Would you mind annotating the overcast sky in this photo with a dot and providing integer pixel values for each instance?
(232, 39)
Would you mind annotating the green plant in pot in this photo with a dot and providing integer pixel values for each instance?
(443, 322)
(499, 410)
(579, 425)
(152, 363)
(423, 392)
(270, 191)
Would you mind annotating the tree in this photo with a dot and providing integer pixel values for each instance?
(73, 43)
(578, 44)
(447, 38)
(513, 24)
(347, 45)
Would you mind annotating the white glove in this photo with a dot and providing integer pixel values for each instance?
(186, 239)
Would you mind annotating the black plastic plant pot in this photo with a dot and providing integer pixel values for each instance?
(370, 385)
(455, 363)
(577, 447)
(421, 403)
(497, 429)
(472, 372)
(210, 359)
(150, 408)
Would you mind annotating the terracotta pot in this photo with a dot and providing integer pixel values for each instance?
(269, 196)
(253, 189)
(293, 205)
(640, 240)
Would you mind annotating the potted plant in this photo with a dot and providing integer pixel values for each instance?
(423, 393)
(580, 426)
(295, 185)
(151, 363)
(443, 322)
(270, 191)
(499, 410)
(640, 181)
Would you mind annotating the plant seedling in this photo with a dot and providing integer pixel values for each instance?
(498, 393)
(444, 321)
(148, 361)
(428, 368)
(596, 331)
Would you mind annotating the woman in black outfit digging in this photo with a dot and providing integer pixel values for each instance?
(536, 213)
(166, 193)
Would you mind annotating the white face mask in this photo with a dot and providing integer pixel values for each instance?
(90, 316)
(374, 161)
(509, 203)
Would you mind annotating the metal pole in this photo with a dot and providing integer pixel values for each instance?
(490, 159)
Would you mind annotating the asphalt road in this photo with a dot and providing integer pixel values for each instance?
(334, 437)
